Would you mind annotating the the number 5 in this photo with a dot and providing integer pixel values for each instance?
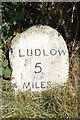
(38, 67)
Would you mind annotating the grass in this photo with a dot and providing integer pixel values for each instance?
(61, 102)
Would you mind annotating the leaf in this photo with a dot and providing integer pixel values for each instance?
(6, 72)
(3, 38)
(0, 64)
(14, 23)
(5, 63)
(1, 71)
(1, 52)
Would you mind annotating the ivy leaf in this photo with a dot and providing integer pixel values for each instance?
(5, 63)
(1, 71)
(1, 52)
(0, 64)
(6, 72)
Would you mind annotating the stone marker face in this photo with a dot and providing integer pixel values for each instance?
(39, 59)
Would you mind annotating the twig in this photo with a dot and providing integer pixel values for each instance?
(72, 17)
(63, 21)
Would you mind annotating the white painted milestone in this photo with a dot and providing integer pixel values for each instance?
(39, 59)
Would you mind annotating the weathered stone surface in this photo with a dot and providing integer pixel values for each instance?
(39, 59)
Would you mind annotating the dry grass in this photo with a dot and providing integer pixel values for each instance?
(59, 102)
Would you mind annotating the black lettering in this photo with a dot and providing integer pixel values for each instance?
(45, 53)
(36, 86)
(42, 85)
(61, 52)
(20, 54)
(37, 66)
(24, 85)
(53, 52)
(29, 52)
(32, 85)
(37, 52)
(48, 84)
